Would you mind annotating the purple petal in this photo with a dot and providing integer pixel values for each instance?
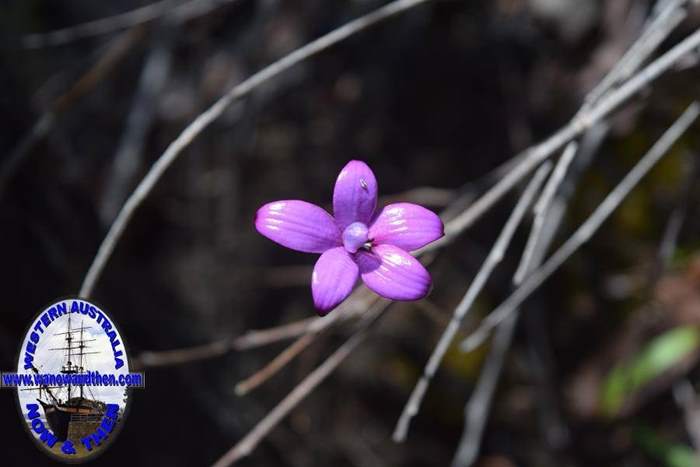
(407, 226)
(334, 277)
(355, 194)
(393, 273)
(298, 225)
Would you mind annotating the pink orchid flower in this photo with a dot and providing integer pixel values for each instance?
(356, 241)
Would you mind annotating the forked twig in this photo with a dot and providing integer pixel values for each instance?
(357, 303)
(477, 408)
(360, 299)
(549, 213)
(300, 344)
(664, 21)
(551, 210)
(245, 446)
(212, 113)
(542, 209)
(494, 257)
(585, 231)
(534, 156)
(658, 29)
(581, 122)
(650, 39)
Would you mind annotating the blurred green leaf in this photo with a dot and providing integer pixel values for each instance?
(660, 355)
(670, 454)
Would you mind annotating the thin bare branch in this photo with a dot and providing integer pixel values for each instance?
(210, 115)
(355, 305)
(583, 121)
(534, 156)
(181, 11)
(658, 29)
(476, 411)
(666, 19)
(181, 356)
(249, 340)
(458, 224)
(246, 445)
(478, 406)
(632, 59)
(262, 337)
(542, 208)
(670, 15)
(275, 365)
(494, 257)
(304, 330)
(358, 303)
(585, 231)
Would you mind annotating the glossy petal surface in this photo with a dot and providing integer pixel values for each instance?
(298, 225)
(406, 225)
(355, 194)
(333, 278)
(393, 273)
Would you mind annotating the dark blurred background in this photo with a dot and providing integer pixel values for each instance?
(436, 97)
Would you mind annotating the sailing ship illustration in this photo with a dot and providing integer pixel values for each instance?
(71, 411)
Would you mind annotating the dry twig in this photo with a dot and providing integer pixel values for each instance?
(585, 231)
(181, 11)
(212, 113)
(492, 260)
(245, 446)
(581, 122)
(647, 43)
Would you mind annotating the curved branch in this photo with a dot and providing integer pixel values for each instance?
(180, 11)
(212, 113)
(585, 231)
